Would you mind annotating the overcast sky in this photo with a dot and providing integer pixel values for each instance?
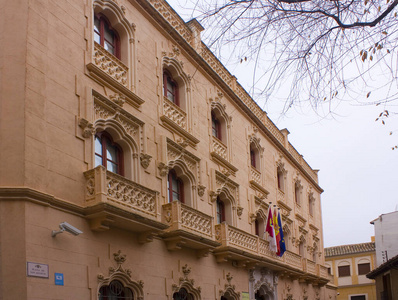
(358, 168)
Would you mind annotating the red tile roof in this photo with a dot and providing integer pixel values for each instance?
(350, 249)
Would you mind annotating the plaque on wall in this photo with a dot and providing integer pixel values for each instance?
(37, 270)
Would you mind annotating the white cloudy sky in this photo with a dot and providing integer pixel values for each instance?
(358, 169)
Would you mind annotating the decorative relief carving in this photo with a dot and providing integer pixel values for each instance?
(123, 275)
(174, 113)
(105, 109)
(173, 19)
(255, 175)
(219, 148)
(87, 128)
(289, 296)
(118, 99)
(183, 142)
(195, 220)
(101, 112)
(163, 169)
(239, 211)
(145, 160)
(201, 190)
(128, 193)
(229, 288)
(110, 64)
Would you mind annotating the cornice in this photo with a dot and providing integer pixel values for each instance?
(37, 197)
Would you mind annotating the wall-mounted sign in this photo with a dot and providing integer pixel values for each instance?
(59, 278)
(245, 296)
(37, 270)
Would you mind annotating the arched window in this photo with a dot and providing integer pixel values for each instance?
(175, 187)
(106, 36)
(220, 210)
(115, 291)
(259, 226)
(108, 153)
(311, 202)
(297, 190)
(215, 126)
(170, 88)
(182, 294)
(280, 178)
(252, 158)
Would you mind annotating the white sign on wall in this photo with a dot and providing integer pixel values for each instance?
(37, 270)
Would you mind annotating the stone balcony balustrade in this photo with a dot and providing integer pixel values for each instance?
(174, 113)
(248, 250)
(109, 64)
(188, 227)
(113, 200)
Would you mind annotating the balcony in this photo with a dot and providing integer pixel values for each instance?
(248, 250)
(113, 200)
(189, 228)
(176, 119)
(110, 71)
(219, 152)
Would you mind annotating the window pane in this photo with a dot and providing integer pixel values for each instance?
(108, 33)
(98, 146)
(360, 297)
(363, 269)
(174, 184)
(97, 38)
(96, 25)
(109, 47)
(98, 160)
(170, 96)
(110, 166)
(111, 151)
(344, 271)
(176, 196)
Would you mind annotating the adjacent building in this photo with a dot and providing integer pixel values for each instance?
(386, 274)
(386, 236)
(134, 165)
(349, 265)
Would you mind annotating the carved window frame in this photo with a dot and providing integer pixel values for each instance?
(117, 73)
(123, 276)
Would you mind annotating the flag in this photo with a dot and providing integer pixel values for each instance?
(282, 246)
(277, 232)
(270, 229)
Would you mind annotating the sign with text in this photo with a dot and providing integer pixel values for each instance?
(37, 270)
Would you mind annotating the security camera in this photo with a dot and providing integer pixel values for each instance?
(64, 226)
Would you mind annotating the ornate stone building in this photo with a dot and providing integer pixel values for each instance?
(118, 122)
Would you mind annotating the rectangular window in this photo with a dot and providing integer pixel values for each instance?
(363, 269)
(330, 271)
(358, 297)
(344, 271)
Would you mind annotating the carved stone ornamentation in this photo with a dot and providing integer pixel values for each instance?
(119, 272)
(201, 190)
(163, 169)
(87, 128)
(239, 211)
(145, 160)
(118, 99)
(183, 142)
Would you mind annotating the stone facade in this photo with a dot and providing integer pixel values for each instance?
(60, 90)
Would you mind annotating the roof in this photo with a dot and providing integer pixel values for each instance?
(350, 249)
(389, 264)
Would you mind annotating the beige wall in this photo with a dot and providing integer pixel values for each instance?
(50, 87)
